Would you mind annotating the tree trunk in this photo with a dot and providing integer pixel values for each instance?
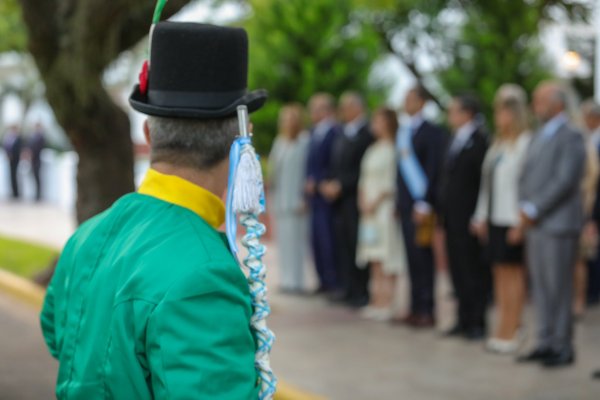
(72, 43)
(100, 133)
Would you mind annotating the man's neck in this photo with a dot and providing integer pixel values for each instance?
(213, 180)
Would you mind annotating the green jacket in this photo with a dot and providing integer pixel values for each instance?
(148, 302)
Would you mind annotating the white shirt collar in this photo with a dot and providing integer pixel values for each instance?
(352, 127)
(323, 127)
(416, 121)
(553, 125)
(464, 132)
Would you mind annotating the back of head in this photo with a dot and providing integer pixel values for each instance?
(590, 111)
(191, 143)
(469, 103)
(590, 107)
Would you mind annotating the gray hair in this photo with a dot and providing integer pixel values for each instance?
(200, 144)
(590, 107)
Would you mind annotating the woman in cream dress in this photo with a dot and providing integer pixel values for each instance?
(287, 163)
(380, 242)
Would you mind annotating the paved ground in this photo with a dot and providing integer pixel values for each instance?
(27, 372)
(324, 348)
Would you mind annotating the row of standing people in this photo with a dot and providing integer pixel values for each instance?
(15, 146)
(377, 204)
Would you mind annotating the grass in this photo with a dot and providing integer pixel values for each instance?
(23, 258)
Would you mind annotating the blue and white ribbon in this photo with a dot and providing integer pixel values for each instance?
(246, 198)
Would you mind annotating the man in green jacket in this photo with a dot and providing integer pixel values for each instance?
(147, 301)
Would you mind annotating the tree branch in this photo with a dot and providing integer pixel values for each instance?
(43, 35)
(137, 23)
(410, 65)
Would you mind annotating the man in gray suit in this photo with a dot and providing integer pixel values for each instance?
(552, 217)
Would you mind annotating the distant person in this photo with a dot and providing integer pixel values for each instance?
(36, 144)
(323, 135)
(588, 242)
(341, 190)
(497, 217)
(380, 242)
(13, 145)
(420, 145)
(552, 217)
(458, 196)
(287, 163)
(591, 116)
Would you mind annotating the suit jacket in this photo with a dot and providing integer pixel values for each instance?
(551, 180)
(147, 302)
(319, 156)
(346, 158)
(460, 180)
(13, 149)
(36, 145)
(429, 143)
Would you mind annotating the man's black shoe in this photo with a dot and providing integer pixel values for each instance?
(338, 296)
(558, 360)
(537, 355)
(596, 374)
(474, 334)
(358, 302)
(457, 330)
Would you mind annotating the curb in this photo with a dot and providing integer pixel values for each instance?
(33, 294)
(22, 289)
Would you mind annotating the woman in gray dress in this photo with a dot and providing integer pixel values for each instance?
(287, 164)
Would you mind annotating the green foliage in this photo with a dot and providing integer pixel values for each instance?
(299, 47)
(497, 44)
(470, 45)
(13, 35)
(24, 259)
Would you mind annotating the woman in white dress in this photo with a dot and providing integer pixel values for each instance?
(380, 242)
(287, 165)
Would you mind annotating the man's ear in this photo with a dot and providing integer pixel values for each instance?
(147, 133)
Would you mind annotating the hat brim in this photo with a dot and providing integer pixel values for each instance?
(253, 100)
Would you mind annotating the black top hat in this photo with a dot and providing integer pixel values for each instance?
(197, 71)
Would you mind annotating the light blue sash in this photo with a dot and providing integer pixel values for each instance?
(410, 168)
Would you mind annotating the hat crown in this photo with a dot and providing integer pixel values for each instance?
(196, 71)
(192, 57)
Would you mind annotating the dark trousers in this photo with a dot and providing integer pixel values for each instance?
(14, 182)
(593, 289)
(36, 169)
(323, 245)
(354, 281)
(421, 270)
(470, 275)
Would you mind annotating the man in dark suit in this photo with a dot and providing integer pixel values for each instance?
(36, 145)
(323, 135)
(342, 191)
(420, 147)
(13, 145)
(458, 196)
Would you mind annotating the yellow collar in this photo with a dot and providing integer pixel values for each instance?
(176, 190)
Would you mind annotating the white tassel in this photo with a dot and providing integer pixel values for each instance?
(248, 183)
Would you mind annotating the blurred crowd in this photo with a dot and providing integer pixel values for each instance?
(18, 148)
(518, 209)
